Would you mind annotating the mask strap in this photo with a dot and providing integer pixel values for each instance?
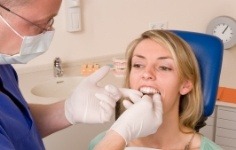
(10, 27)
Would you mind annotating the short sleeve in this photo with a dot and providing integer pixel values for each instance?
(207, 144)
(96, 140)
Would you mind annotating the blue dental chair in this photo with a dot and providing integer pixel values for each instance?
(209, 53)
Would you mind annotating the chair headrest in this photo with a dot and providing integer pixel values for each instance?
(208, 50)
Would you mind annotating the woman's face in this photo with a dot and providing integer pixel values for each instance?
(153, 70)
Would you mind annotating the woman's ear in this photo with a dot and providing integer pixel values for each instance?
(186, 87)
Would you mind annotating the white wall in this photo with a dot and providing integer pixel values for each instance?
(109, 25)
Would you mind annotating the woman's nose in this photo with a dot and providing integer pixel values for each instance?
(148, 75)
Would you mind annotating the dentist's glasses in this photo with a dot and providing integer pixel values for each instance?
(48, 26)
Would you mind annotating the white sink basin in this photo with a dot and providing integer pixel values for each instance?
(60, 87)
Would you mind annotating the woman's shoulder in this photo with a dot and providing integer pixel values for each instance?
(207, 144)
(96, 140)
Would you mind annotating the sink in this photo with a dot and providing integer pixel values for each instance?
(60, 87)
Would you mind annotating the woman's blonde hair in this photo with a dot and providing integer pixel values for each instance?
(191, 104)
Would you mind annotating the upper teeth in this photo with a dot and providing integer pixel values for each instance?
(148, 90)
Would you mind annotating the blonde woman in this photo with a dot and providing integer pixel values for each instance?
(161, 62)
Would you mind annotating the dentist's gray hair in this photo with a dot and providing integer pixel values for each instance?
(11, 3)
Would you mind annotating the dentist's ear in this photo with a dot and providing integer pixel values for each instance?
(186, 87)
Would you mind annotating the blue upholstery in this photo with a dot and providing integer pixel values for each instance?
(209, 53)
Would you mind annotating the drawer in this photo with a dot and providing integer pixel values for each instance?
(227, 147)
(227, 124)
(225, 142)
(227, 108)
(226, 113)
(222, 132)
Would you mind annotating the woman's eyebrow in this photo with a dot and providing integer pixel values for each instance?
(164, 57)
(140, 56)
(159, 58)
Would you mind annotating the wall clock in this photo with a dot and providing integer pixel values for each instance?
(223, 27)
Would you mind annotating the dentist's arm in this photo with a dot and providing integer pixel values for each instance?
(139, 120)
(49, 118)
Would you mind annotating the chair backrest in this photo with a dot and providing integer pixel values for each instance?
(209, 53)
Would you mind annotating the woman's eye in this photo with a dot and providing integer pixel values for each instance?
(137, 66)
(164, 68)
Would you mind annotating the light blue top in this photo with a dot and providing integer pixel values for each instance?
(206, 144)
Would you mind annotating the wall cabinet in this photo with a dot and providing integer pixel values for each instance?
(221, 127)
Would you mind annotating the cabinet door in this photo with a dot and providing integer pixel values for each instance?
(226, 127)
(225, 141)
(226, 113)
(227, 148)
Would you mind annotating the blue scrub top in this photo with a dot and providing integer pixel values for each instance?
(17, 127)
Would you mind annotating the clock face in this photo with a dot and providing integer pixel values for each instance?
(223, 27)
(224, 32)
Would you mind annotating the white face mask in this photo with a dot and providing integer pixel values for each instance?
(31, 47)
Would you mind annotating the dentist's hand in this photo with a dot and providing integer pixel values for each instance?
(84, 107)
(141, 118)
(90, 103)
(114, 94)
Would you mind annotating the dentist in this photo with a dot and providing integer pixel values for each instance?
(26, 32)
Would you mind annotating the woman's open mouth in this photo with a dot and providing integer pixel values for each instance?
(148, 90)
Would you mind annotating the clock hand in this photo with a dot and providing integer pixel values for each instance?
(225, 30)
